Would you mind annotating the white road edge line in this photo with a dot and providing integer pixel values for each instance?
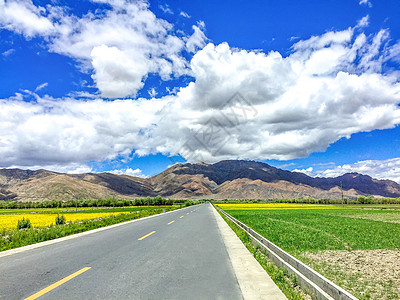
(77, 235)
(254, 281)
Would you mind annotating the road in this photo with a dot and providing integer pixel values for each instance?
(179, 255)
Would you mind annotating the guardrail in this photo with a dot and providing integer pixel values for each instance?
(318, 285)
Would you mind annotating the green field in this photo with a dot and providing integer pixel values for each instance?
(348, 245)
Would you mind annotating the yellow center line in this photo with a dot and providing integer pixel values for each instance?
(180, 217)
(143, 237)
(58, 283)
(171, 222)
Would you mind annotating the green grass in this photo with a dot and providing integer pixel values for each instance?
(302, 231)
(287, 283)
(325, 229)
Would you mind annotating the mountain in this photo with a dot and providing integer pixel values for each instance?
(251, 179)
(234, 179)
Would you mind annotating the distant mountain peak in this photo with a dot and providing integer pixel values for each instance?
(238, 179)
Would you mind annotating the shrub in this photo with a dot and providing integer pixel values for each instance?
(24, 223)
(60, 220)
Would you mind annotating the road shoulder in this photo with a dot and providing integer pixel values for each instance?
(254, 282)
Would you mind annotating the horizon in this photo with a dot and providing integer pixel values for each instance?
(132, 87)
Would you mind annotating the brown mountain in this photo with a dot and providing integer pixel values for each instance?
(232, 179)
(249, 179)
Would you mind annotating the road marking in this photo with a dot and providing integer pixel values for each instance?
(171, 222)
(143, 237)
(58, 283)
(180, 217)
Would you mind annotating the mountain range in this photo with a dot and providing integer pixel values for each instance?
(229, 179)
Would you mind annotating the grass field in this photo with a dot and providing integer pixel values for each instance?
(346, 244)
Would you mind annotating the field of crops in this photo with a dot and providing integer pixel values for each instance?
(43, 222)
(257, 206)
(356, 247)
(46, 216)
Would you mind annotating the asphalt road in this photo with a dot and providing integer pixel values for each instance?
(149, 259)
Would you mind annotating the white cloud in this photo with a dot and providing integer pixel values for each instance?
(140, 41)
(365, 2)
(363, 22)
(184, 14)
(8, 52)
(81, 94)
(56, 131)
(328, 88)
(72, 168)
(308, 171)
(198, 39)
(129, 171)
(166, 9)
(152, 92)
(116, 73)
(242, 104)
(41, 86)
(24, 17)
(380, 169)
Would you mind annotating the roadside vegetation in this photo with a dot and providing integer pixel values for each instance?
(84, 203)
(354, 201)
(287, 283)
(347, 244)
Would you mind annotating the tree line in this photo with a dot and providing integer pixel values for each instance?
(108, 202)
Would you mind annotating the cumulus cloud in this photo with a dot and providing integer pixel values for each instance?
(198, 39)
(120, 45)
(67, 131)
(26, 18)
(380, 169)
(282, 108)
(116, 74)
(241, 104)
(308, 171)
(129, 171)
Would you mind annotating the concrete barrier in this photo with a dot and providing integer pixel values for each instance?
(319, 286)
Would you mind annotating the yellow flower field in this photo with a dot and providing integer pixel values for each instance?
(43, 220)
(249, 206)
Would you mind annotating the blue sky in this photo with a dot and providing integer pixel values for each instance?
(133, 87)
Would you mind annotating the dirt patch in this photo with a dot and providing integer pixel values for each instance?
(372, 273)
(382, 217)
